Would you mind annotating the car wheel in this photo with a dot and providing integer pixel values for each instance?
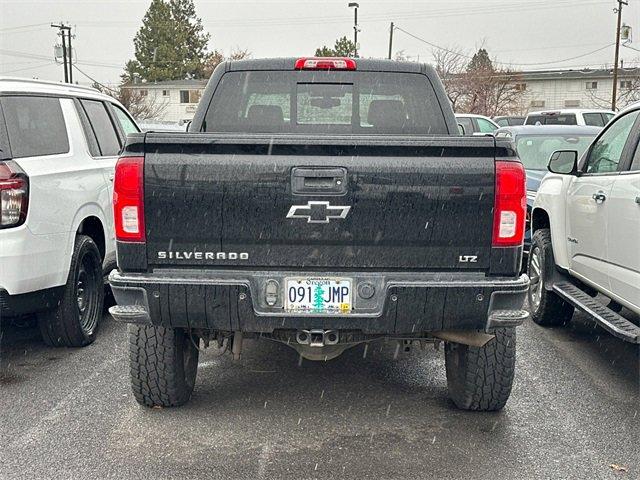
(480, 378)
(74, 321)
(163, 365)
(547, 308)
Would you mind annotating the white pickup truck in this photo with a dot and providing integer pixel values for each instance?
(586, 232)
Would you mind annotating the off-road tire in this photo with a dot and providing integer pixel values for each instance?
(480, 378)
(551, 310)
(163, 365)
(72, 323)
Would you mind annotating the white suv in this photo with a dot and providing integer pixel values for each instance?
(58, 148)
(586, 224)
(570, 116)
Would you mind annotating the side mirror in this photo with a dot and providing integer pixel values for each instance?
(564, 162)
(461, 129)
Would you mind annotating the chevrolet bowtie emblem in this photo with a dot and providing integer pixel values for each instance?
(318, 212)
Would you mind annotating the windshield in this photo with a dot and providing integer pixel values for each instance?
(534, 150)
(317, 102)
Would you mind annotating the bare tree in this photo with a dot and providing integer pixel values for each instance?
(141, 107)
(450, 65)
(631, 91)
(476, 85)
(217, 57)
(628, 92)
(505, 92)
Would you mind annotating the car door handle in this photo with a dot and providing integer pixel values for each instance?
(638, 199)
(599, 197)
(111, 176)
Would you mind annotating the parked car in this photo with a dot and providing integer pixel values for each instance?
(508, 121)
(324, 226)
(476, 124)
(570, 116)
(58, 148)
(535, 144)
(586, 224)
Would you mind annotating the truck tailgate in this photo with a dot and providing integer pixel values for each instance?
(319, 203)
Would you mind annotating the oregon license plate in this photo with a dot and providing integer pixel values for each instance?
(318, 295)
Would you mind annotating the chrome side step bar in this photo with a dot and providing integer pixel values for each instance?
(608, 319)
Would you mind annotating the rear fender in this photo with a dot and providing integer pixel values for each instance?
(87, 210)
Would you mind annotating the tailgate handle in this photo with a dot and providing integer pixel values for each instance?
(318, 181)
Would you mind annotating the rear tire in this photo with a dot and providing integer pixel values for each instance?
(480, 378)
(547, 308)
(75, 320)
(163, 365)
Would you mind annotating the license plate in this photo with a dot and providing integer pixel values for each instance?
(318, 295)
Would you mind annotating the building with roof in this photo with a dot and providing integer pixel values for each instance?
(557, 89)
(173, 101)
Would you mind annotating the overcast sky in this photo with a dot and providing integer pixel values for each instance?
(535, 34)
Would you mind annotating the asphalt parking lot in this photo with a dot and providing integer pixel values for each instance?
(69, 413)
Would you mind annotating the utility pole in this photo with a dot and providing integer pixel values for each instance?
(618, 10)
(355, 6)
(64, 49)
(67, 58)
(390, 39)
(70, 56)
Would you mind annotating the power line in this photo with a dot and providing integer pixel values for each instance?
(26, 68)
(433, 45)
(94, 80)
(14, 53)
(20, 27)
(432, 13)
(565, 59)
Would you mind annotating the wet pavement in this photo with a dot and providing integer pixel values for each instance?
(69, 413)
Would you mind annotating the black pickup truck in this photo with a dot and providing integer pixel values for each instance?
(322, 203)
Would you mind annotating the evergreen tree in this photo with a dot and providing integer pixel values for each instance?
(131, 71)
(480, 62)
(171, 44)
(342, 48)
(318, 297)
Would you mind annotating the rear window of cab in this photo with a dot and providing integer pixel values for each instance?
(569, 119)
(322, 102)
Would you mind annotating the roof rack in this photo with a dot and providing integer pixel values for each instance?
(48, 82)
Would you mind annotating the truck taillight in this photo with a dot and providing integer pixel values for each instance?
(510, 204)
(128, 200)
(325, 63)
(14, 195)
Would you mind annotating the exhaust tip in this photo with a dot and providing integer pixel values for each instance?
(330, 338)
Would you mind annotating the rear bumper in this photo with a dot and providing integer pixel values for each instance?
(402, 303)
